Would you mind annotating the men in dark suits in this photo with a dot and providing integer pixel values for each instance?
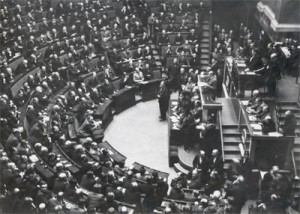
(13, 140)
(138, 54)
(22, 67)
(174, 75)
(216, 163)
(163, 39)
(200, 162)
(237, 193)
(268, 125)
(126, 81)
(255, 61)
(195, 61)
(290, 124)
(163, 99)
(107, 88)
(212, 83)
(149, 201)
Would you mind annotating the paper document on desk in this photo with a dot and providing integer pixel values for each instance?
(241, 65)
(256, 126)
(174, 119)
(250, 73)
(200, 126)
(257, 133)
(252, 118)
(275, 134)
(68, 165)
(245, 102)
(174, 103)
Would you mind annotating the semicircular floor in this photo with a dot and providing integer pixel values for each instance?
(138, 134)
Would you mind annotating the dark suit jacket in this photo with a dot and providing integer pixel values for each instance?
(203, 165)
(217, 165)
(255, 62)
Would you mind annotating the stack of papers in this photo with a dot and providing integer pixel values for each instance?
(257, 133)
(241, 64)
(245, 102)
(174, 103)
(275, 134)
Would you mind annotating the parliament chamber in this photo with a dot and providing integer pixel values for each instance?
(224, 73)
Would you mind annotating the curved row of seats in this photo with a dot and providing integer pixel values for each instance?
(41, 166)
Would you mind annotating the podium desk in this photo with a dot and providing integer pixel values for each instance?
(150, 89)
(124, 99)
(104, 112)
(237, 78)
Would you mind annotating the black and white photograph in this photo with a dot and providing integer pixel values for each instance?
(150, 106)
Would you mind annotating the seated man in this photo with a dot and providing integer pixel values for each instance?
(178, 39)
(257, 107)
(107, 88)
(268, 125)
(138, 54)
(164, 38)
(147, 72)
(290, 124)
(211, 83)
(201, 163)
(255, 94)
(138, 76)
(89, 127)
(126, 81)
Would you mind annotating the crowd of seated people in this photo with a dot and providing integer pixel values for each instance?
(276, 190)
(69, 54)
(208, 188)
(74, 36)
(261, 56)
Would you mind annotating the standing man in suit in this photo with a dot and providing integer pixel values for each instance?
(216, 162)
(163, 99)
(290, 124)
(201, 163)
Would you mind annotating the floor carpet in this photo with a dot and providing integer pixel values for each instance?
(138, 134)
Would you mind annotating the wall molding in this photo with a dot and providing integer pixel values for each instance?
(277, 27)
